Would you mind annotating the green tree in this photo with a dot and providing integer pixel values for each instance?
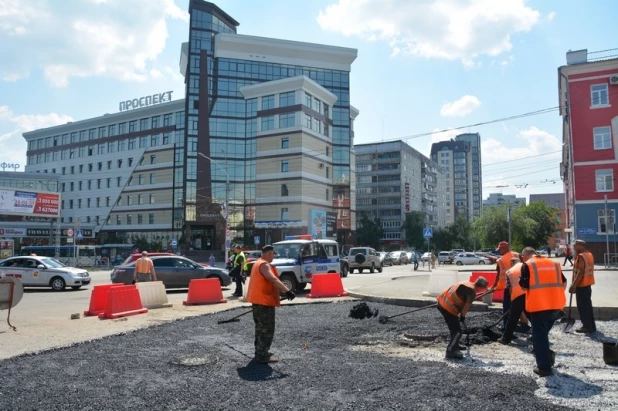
(533, 224)
(491, 227)
(442, 239)
(461, 234)
(370, 232)
(413, 226)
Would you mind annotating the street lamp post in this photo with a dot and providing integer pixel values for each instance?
(227, 213)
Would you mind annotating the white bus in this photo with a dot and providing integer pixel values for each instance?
(86, 253)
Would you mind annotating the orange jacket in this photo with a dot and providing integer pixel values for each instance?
(261, 291)
(504, 263)
(450, 301)
(514, 274)
(546, 289)
(588, 262)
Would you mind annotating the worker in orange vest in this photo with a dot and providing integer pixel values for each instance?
(518, 300)
(144, 269)
(502, 266)
(545, 299)
(263, 294)
(583, 280)
(454, 304)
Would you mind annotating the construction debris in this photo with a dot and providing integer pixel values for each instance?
(362, 310)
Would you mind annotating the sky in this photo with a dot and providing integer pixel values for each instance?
(423, 67)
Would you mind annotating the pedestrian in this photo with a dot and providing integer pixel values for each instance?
(211, 260)
(518, 300)
(581, 286)
(433, 259)
(415, 260)
(144, 269)
(236, 272)
(548, 252)
(502, 266)
(568, 256)
(263, 294)
(454, 304)
(545, 300)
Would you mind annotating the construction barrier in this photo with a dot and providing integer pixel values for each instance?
(98, 298)
(440, 281)
(122, 302)
(153, 294)
(245, 288)
(326, 285)
(204, 291)
(498, 296)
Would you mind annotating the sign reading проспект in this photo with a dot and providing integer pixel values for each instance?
(164, 97)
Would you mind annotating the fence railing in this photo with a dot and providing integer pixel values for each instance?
(610, 260)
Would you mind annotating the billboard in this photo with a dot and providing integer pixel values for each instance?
(29, 203)
(341, 203)
(331, 224)
(317, 223)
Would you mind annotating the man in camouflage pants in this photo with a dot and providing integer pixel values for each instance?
(263, 293)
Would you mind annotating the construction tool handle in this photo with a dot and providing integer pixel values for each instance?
(570, 304)
(413, 311)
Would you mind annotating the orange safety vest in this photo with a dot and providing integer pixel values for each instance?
(588, 278)
(261, 291)
(546, 289)
(450, 301)
(504, 263)
(514, 274)
(142, 266)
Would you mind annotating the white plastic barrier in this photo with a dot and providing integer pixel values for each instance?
(439, 281)
(245, 287)
(153, 294)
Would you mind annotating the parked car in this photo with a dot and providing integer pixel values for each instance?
(174, 271)
(456, 251)
(445, 257)
(400, 257)
(35, 271)
(426, 257)
(372, 260)
(386, 259)
(344, 265)
(492, 258)
(133, 257)
(470, 258)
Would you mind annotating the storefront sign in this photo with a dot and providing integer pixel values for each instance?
(10, 166)
(146, 101)
(12, 232)
(281, 224)
(45, 232)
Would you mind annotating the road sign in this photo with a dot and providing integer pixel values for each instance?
(70, 240)
(256, 240)
(174, 243)
(227, 244)
(587, 231)
(80, 234)
(428, 232)
(70, 232)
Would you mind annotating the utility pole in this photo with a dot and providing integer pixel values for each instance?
(508, 220)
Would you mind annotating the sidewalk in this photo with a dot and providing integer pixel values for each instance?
(406, 289)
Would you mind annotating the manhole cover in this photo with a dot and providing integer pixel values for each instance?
(193, 361)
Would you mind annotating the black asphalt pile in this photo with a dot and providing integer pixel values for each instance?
(362, 310)
(328, 361)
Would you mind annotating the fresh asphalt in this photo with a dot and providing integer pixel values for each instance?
(195, 364)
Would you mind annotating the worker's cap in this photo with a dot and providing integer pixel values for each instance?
(144, 252)
(579, 242)
(502, 244)
(237, 246)
(267, 248)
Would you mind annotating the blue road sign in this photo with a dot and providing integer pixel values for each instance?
(587, 231)
(256, 240)
(174, 243)
(80, 234)
(428, 232)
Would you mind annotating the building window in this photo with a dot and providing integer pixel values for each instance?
(79, 185)
(151, 218)
(72, 186)
(130, 161)
(327, 194)
(140, 179)
(268, 102)
(284, 190)
(285, 142)
(128, 219)
(287, 120)
(107, 201)
(605, 180)
(120, 163)
(109, 183)
(118, 181)
(285, 166)
(284, 214)
(71, 204)
(307, 120)
(139, 219)
(152, 178)
(268, 123)
(609, 225)
(327, 172)
(152, 199)
(287, 99)
(308, 100)
(317, 105)
(98, 201)
(62, 204)
(129, 200)
(599, 95)
(602, 138)
(109, 164)
(140, 199)
(153, 159)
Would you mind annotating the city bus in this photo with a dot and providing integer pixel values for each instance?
(86, 253)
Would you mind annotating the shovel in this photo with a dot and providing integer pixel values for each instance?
(236, 319)
(567, 324)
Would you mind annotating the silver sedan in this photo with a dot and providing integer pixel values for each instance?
(35, 271)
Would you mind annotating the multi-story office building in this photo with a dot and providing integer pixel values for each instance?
(476, 184)
(455, 160)
(115, 172)
(588, 100)
(554, 200)
(497, 199)
(393, 179)
(232, 125)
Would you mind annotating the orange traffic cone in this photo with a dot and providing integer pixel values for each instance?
(204, 291)
(326, 285)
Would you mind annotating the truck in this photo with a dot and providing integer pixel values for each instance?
(298, 260)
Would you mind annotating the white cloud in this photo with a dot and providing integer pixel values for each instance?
(105, 38)
(12, 144)
(460, 108)
(550, 16)
(446, 29)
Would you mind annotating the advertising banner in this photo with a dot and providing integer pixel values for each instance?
(6, 249)
(331, 224)
(317, 219)
(29, 203)
(407, 196)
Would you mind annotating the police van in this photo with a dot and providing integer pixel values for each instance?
(299, 258)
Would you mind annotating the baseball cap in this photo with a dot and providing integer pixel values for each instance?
(267, 248)
(579, 242)
(502, 244)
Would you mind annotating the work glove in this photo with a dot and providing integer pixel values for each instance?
(462, 318)
(290, 295)
(572, 289)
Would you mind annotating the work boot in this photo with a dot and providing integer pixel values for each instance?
(455, 354)
(460, 347)
(584, 330)
(504, 341)
(237, 294)
(542, 372)
(270, 360)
